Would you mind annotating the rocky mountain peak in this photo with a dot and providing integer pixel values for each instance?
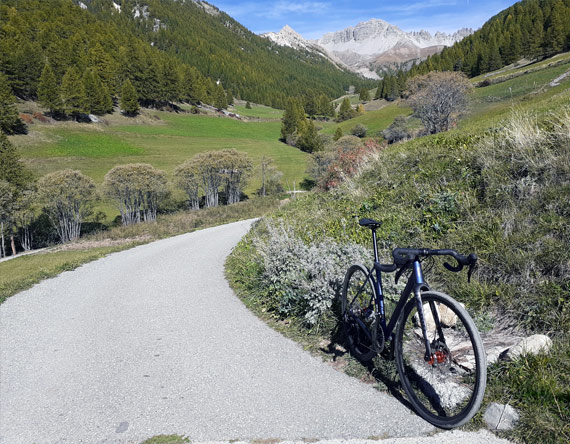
(366, 46)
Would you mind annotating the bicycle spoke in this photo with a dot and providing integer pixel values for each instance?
(447, 387)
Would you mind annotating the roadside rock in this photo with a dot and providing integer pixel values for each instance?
(533, 344)
(500, 417)
(447, 317)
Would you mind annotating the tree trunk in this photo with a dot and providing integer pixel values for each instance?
(13, 245)
(2, 250)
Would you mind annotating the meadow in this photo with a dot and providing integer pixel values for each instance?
(162, 139)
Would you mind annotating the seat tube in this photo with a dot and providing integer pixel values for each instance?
(419, 282)
(375, 243)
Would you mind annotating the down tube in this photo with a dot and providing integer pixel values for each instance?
(380, 296)
(401, 304)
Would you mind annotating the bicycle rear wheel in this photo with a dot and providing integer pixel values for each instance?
(447, 390)
(359, 315)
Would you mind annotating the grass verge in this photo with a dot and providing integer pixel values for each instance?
(502, 192)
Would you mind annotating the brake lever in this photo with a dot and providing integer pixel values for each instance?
(470, 272)
(400, 272)
(452, 268)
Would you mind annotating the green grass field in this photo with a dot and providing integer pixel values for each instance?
(507, 71)
(96, 148)
(259, 111)
(373, 120)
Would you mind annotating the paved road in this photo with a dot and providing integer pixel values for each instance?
(152, 341)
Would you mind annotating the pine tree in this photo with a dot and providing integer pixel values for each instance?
(248, 105)
(10, 122)
(310, 104)
(12, 169)
(556, 34)
(220, 100)
(401, 78)
(170, 89)
(103, 64)
(129, 99)
(392, 92)
(364, 95)
(495, 61)
(97, 98)
(345, 112)
(536, 36)
(48, 91)
(309, 140)
(379, 90)
(73, 93)
(338, 133)
(292, 118)
(229, 97)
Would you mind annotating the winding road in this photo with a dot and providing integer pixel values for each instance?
(153, 341)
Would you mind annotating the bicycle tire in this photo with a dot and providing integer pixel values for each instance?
(358, 311)
(448, 389)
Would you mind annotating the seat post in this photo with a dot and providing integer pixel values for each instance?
(375, 245)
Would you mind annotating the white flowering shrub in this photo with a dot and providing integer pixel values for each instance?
(304, 280)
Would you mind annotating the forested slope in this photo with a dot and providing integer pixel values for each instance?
(254, 68)
(529, 29)
(170, 51)
(65, 37)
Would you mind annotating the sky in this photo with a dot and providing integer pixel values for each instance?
(313, 19)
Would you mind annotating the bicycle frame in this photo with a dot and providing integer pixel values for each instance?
(416, 284)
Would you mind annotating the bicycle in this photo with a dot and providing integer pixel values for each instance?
(438, 351)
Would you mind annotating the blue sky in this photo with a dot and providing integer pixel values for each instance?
(312, 19)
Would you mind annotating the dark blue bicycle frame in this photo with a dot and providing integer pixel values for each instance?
(415, 284)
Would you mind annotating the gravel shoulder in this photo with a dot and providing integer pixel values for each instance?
(153, 341)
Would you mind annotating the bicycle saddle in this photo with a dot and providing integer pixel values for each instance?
(370, 223)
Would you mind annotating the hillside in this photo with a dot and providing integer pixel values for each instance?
(497, 186)
(65, 39)
(530, 29)
(171, 51)
(221, 48)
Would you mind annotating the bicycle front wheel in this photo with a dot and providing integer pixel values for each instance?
(359, 315)
(447, 389)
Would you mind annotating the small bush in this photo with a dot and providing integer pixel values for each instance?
(304, 279)
(359, 131)
(397, 131)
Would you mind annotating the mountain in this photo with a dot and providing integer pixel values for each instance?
(288, 37)
(201, 35)
(170, 50)
(372, 46)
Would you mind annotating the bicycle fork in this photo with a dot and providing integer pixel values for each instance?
(419, 286)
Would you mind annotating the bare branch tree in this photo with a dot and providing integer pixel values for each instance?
(137, 189)
(25, 215)
(6, 211)
(187, 177)
(68, 196)
(209, 169)
(236, 166)
(435, 98)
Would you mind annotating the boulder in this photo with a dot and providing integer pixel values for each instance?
(447, 317)
(500, 417)
(533, 344)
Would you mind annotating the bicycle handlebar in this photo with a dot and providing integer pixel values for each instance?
(403, 256)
